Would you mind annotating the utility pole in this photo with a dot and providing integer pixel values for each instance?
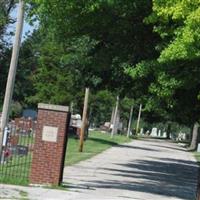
(84, 120)
(114, 129)
(129, 123)
(138, 121)
(112, 116)
(72, 107)
(12, 71)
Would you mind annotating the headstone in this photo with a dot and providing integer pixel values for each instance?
(147, 132)
(164, 135)
(141, 131)
(198, 148)
(22, 150)
(181, 136)
(154, 132)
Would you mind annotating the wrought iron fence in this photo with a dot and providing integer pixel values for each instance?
(16, 156)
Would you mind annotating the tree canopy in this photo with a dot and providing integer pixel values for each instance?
(144, 51)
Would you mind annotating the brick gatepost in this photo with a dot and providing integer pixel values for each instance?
(50, 145)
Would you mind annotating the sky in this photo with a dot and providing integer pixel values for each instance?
(26, 28)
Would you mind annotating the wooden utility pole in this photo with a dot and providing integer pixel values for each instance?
(72, 107)
(12, 71)
(115, 125)
(112, 116)
(138, 121)
(84, 120)
(129, 123)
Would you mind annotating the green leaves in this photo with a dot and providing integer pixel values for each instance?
(140, 70)
(165, 85)
(185, 35)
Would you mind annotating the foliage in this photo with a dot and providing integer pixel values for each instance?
(51, 82)
(16, 109)
(145, 52)
(179, 22)
(116, 38)
(5, 19)
(6, 7)
(101, 105)
(172, 92)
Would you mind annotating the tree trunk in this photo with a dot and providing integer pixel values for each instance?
(168, 131)
(194, 141)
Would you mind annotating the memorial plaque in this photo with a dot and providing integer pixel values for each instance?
(49, 133)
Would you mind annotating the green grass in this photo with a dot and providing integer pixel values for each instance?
(16, 171)
(96, 143)
(197, 156)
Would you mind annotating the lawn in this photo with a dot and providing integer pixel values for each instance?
(96, 143)
(16, 171)
(197, 156)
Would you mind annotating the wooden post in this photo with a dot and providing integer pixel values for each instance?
(72, 108)
(12, 71)
(138, 121)
(129, 123)
(84, 120)
(114, 129)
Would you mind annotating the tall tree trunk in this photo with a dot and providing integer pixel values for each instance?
(194, 141)
(168, 130)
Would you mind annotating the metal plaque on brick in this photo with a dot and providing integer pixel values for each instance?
(49, 133)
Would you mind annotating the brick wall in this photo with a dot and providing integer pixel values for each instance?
(48, 155)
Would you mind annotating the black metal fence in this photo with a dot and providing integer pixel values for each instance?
(16, 156)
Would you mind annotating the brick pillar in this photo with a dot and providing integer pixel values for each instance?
(50, 145)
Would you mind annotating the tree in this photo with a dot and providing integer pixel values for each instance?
(194, 141)
(101, 105)
(114, 29)
(177, 22)
(174, 75)
(6, 7)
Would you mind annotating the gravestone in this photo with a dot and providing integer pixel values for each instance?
(141, 131)
(154, 132)
(198, 147)
(50, 145)
(164, 135)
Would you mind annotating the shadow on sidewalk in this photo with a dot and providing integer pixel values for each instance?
(170, 148)
(168, 177)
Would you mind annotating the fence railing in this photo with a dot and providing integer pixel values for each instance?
(16, 156)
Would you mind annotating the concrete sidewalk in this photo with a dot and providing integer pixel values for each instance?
(141, 170)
